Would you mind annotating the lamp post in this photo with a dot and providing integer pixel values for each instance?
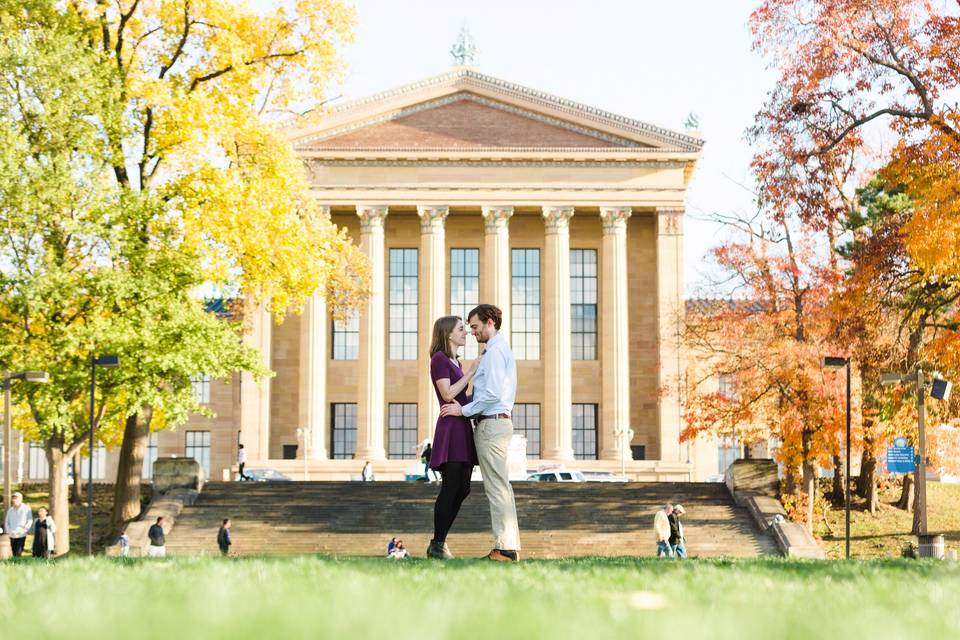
(108, 362)
(8, 378)
(836, 362)
(939, 389)
(626, 436)
(304, 433)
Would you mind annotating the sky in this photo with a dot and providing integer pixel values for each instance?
(650, 60)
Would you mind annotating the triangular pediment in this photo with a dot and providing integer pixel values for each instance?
(465, 110)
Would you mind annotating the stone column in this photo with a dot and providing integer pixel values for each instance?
(371, 422)
(495, 271)
(670, 313)
(614, 334)
(557, 423)
(313, 376)
(433, 304)
(255, 395)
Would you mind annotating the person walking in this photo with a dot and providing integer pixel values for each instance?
(494, 392)
(676, 532)
(425, 458)
(17, 523)
(661, 528)
(367, 473)
(223, 537)
(158, 540)
(242, 462)
(44, 535)
(455, 453)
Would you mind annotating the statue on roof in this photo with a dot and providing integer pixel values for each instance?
(464, 50)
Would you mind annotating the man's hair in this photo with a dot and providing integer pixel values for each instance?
(226, 520)
(159, 519)
(485, 312)
(240, 446)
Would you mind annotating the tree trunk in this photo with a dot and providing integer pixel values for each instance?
(838, 494)
(76, 490)
(915, 530)
(867, 482)
(906, 495)
(810, 488)
(126, 497)
(59, 497)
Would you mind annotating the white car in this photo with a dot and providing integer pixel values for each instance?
(556, 475)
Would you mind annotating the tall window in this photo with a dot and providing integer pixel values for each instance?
(201, 388)
(38, 462)
(727, 386)
(198, 448)
(150, 456)
(526, 421)
(583, 303)
(728, 450)
(525, 304)
(465, 290)
(99, 463)
(402, 431)
(346, 338)
(403, 304)
(343, 432)
(585, 431)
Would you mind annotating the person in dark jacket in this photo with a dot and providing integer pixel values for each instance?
(676, 532)
(43, 534)
(158, 540)
(223, 537)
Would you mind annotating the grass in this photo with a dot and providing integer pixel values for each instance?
(887, 533)
(586, 598)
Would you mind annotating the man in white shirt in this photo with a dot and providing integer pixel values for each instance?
(17, 523)
(242, 461)
(494, 391)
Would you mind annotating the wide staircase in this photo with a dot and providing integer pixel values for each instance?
(556, 520)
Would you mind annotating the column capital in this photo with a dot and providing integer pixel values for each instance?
(432, 217)
(495, 218)
(614, 219)
(670, 221)
(371, 216)
(556, 219)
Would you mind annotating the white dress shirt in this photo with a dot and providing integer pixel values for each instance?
(495, 383)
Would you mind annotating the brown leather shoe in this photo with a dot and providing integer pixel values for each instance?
(497, 556)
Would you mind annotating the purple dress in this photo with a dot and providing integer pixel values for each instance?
(453, 438)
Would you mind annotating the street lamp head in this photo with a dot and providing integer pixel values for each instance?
(108, 362)
(940, 389)
(832, 362)
(36, 376)
(887, 379)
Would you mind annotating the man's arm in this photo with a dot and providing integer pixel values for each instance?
(492, 391)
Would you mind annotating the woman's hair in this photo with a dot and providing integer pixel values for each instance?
(442, 329)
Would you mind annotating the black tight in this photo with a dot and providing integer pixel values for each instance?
(454, 489)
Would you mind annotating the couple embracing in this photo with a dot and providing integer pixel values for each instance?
(473, 430)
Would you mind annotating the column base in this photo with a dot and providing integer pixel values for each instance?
(370, 454)
(614, 454)
(559, 455)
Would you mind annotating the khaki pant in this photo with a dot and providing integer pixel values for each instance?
(492, 437)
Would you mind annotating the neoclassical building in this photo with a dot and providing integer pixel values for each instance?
(460, 189)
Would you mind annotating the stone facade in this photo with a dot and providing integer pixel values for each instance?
(467, 161)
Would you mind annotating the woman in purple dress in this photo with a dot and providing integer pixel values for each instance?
(454, 453)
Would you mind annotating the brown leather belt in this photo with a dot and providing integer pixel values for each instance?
(499, 416)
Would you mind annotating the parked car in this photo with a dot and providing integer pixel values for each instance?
(603, 476)
(265, 475)
(556, 475)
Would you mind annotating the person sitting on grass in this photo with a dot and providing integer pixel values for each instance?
(391, 545)
(399, 551)
(223, 537)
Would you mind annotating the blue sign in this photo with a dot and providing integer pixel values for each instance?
(900, 459)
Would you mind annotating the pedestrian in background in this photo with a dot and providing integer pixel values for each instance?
(158, 540)
(661, 528)
(223, 537)
(44, 535)
(17, 523)
(676, 532)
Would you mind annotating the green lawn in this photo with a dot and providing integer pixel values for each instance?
(316, 597)
(887, 533)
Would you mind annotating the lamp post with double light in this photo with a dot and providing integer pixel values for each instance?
(107, 362)
(835, 362)
(626, 437)
(8, 379)
(939, 389)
